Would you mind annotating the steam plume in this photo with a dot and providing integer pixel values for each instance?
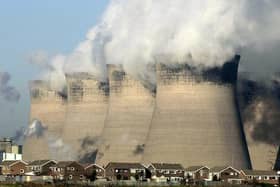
(200, 32)
(58, 149)
(8, 92)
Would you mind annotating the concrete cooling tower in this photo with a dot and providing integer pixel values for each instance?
(86, 112)
(131, 106)
(48, 107)
(196, 119)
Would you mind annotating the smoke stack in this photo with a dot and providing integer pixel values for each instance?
(128, 120)
(196, 119)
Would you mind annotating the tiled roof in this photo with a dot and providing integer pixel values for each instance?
(9, 162)
(63, 164)
(167, 166)
(259, 172)
(125, 165)
(195, 168)
(217, 168)
(90, 165)
(39, 162)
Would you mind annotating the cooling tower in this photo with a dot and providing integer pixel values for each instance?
(196, 120)
(86, 112)
(263, 156)
(47, 106)
(129, 116)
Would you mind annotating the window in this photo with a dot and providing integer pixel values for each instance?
(72, 168)
(70, 177)
(21, 170)
(172, 172)
(81, 176)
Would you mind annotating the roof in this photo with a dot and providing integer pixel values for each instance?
(90, 165)
(258, 172)
(167, 166)
(124, 165)
(11, 162)
(195, 168)
(40, 162)
(63, 164)
(219, 169)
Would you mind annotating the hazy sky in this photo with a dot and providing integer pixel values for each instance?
(27, 26)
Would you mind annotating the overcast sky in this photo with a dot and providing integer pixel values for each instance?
(27, 26)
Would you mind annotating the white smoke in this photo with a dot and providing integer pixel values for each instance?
(36, 129)
(58, 149)
(200, 32)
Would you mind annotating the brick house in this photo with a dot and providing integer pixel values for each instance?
(125, 171)
(197, 173)
(224, 174)
(13, 168)
(94, 169)
(260, 177)
(40, 167)
(164, 172)
(69, 171)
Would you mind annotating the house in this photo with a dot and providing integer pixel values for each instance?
(13, 168)
(259, 176)
(197, 173)
(125, 171)
(69, 171)
(225, 174)
(164, 172)
(40, 167)
(94, 171)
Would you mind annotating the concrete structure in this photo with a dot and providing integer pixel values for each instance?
(263, 156)
(86, 113)
(130, 111)
(196, 119)
(48, 107)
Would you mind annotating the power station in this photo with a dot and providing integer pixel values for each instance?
(192, 117)
(196, 119)
(85, 114)
(128, 120)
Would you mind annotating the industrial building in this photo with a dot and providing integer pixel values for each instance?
(85, 115)
(196, 119)
(48, 107)
(9, 150)
(128, 120)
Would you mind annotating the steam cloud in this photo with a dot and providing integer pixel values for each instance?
(200, 32)
(57, 148)
(8, 92)
(88, 152)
